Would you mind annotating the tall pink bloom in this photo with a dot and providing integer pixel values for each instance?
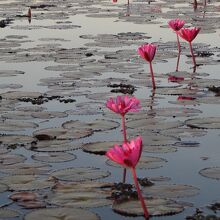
(122, 105)
(189, 34)
(147, 52)
(128, 155)
(176, 25)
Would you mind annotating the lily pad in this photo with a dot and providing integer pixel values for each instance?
(156, 207)
(8, 159)
(7, 73)
(3, 187)
(98, 147)
(145, 162)
(25, 169)
(54, 157)
(60, 214)
(6, 213)
(79, 198)
(159, 149)
(79, 174)
(205, 123)
(25, 182)
(97, 125)
(53, 146)
(12, 125)
(211, 172)
(171, 191)
(16, 139)
(153, 124)
(63, 134)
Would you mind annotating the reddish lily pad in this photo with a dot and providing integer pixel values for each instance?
(211, 172)
(79, 174)
(156, 207)
(60, 214)
(23, 196)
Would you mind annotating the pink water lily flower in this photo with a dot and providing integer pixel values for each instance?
(189, 34)
(128, 154)
(176, 24)
(123, 104)
(147, 52)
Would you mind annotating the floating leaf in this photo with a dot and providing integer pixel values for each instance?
(60, 214)
(78, 174)
(206, 123)
(8, 213)
(25, 182)
(53, 146)
(23, 196)
(3, 187)
(159, 149)
(80, 198)
(54, 157)
(156, 207)
(16, 139)
(211, 172)
(99, 147)
(63, 134)
(171, 191)
(153, 124)
(145, 162)
(25, 169)
(8, 159)
(96, 125)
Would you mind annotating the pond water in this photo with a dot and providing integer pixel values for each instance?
(57, 71)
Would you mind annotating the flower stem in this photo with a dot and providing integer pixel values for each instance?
(179, 51)
(125, 141)
(152, 76)
(193, 57)
(146, 214)
(124, 129)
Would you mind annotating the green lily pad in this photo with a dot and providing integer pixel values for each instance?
(96, 125)
(79, 174)
(156, 207)
(25, 182)
(205, 123)
(3, 187)
(54, 157)
(60, 214)
(170, 191)
(211, 172)
(6, 213)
